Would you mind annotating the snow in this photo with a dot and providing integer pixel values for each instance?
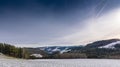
(36, 55)
(12, 62)
(42, 48)
(56, 49)
(61, 51)
(111, 45)
(60, 63)
(65, 50)
(49, 49)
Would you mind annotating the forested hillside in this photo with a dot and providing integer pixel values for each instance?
(98, 49)
(11, 50)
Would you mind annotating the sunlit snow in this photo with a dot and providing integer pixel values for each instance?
(111, 45)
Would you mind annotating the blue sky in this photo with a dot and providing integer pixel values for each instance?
(57, 22)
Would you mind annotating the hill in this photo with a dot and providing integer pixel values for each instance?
(99, 49)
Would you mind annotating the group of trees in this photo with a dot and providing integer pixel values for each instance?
(11, 50)
(102, 53)
(68, 55)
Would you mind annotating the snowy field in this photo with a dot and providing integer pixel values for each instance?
(60, 63)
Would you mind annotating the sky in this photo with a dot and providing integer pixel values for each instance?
(58, 22)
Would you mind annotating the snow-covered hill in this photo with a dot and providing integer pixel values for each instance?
(111, 45)
(54, 49)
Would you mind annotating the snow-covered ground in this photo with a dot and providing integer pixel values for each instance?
(13, 62)
(60, 63)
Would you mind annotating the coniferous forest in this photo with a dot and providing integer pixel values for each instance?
(11, 50)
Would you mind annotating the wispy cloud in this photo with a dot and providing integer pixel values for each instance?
(103, 27)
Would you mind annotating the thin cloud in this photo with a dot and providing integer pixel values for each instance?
(103, 27)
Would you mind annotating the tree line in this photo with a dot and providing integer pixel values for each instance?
(11, 50)
(76, 52)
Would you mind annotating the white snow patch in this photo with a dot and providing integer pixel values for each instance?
(37, 55)
(49, 49)
(65, 50)
(111, 45)
(42, 48)
(56, 49)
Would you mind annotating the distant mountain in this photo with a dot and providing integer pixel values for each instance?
(111, 43)
(99, 49)
(60, 49)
